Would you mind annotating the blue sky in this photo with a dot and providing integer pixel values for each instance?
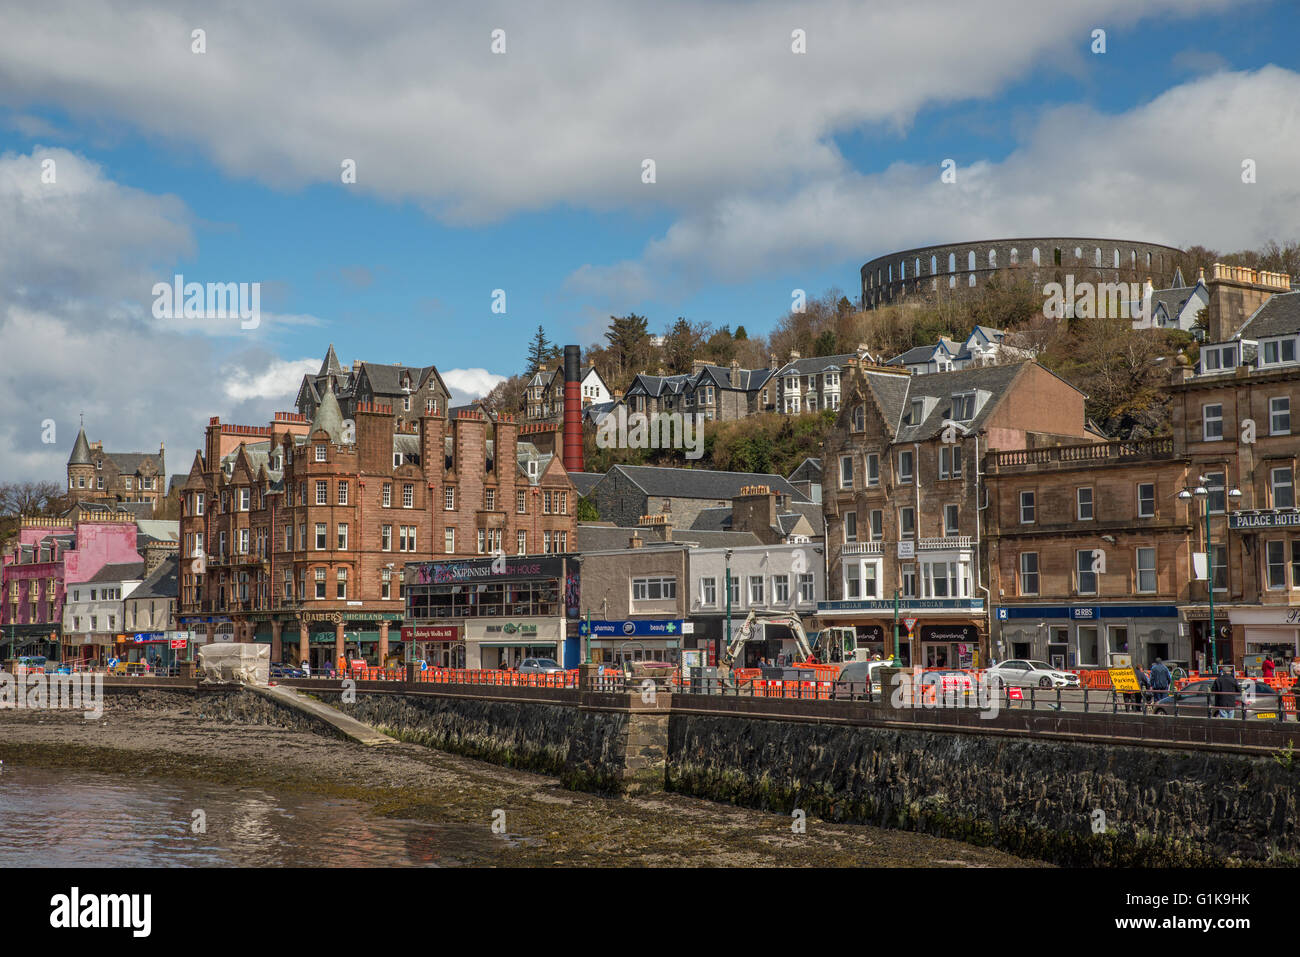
(522, 171)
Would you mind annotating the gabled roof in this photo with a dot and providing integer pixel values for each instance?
(814, 365)
(123, 572)
(1278, 316)
(584, 482)
(809, 470)
(161, 582)
(701, 483)
(331, 365)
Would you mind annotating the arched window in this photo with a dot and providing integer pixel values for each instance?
(970, 259)
(952, 281)
(1132, 258)
(891, 272)
(1078, 253)
(916, 268)
(1015, 256)
(972, 280)
(1148, 260)
(993, 259)
(1116, 259)
(1096, 258)
(952, 262)
(1034, 256)
(934, 264)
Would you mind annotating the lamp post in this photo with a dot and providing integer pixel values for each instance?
(1202, 492)
(727, 585)
(895, 661)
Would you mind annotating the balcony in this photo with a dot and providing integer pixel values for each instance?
(863, 548)
(1093, 453)
(954, 542)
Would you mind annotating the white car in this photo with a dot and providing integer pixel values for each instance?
(1024, 673)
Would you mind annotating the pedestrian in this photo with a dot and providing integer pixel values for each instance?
(1268, 669)
(1295, 668)
(1160, 679)
(1226, 691)
(1144, 682)
(306, 668)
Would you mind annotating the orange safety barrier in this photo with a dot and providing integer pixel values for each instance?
(1288, 703)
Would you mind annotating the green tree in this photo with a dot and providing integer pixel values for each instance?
(681, 345)
(629, 345)
(541, 352)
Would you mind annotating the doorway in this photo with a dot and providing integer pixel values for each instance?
(1058, 646)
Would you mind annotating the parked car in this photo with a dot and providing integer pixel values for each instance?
(1196, 699)
(861, 672)
(286, 671)
(1026, 673)
(540, 666)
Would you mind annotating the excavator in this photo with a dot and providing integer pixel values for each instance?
(831, 647)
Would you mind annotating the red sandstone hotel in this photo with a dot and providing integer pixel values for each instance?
(309, 524)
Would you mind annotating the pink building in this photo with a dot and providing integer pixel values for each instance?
(50, 555)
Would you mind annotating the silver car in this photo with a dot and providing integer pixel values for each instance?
(1025, 673)
(539, 666)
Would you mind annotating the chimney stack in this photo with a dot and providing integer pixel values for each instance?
(572, 409)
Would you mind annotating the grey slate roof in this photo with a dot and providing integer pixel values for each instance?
(701, 483)
(584, 482)
(161, 582)
(122, 572)
(331, 365)
(1278, 316)
(894, 393)
(604, 538)
(814, 365)
(128, 463)
(80, 451)
(329, 417)
(809, 470)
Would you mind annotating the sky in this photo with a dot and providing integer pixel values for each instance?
(500, 156)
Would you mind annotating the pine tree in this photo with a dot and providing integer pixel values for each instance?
(541, 351)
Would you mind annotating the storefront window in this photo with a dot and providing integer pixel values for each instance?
(1088, 650)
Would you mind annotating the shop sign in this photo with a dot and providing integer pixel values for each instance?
(1268, 518)
(911, 604)
(906, 549)
(443, 573)
(1084, 613)
(430, 633)
(511, 628)
(643, 627)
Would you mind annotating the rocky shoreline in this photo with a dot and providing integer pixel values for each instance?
(234, 741)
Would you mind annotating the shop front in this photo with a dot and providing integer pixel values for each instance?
(40, 638)
(637, 639)
(503, 610)
(438, 646)
(1263, 629)
(1091, 636)
(930, 630)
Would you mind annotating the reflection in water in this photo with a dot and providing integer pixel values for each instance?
(79, 819)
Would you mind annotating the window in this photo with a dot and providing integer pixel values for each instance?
(870, 580)
(963, 406)
(1283, 487)
(733, 590)
(1083, 502)
(397, 460)
(490, 499)
(449, 498)
(850, 527)
(1029, 573)
(1279, 415)
(341, 589)
(322, 492)
(949, 520)
(905, 467)
(1275, 559)
(908, 574)
(1219, 567)
(1279, 350)
(320, 583)
(406, 538)
(708, 591)
(877, 524)
(482, 541)
(449, 540)
(872, 469)
(521, 502)
(1146, 500)
(1146, 570)
(852, 580)
(807, 587)
(1295, 563)
(846, 471)
(343, 536)
(756, 589)
(320, 453)
(388, 495)
(386, 538)
(385, 584)
(244, 498)
(243, 541)
(654, 589)
(288, 538)
(343, 493)
(1026, 508)
(859, 419)
(915, 412)
(781, 589)
(950, 461)
(1216, 483)
(1085, 578)
(521, 543)
(1212, 422)
(907, 522)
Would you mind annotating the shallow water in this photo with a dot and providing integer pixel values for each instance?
(57, 818)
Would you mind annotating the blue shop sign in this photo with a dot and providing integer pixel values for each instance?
(1085, 612)
(633, 628)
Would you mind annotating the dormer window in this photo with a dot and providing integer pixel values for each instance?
(99, 463)
(963, 406)
(1218, 358)
(916, 414)
(1277, 351)
(320, 453)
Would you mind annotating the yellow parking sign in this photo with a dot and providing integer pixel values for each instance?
(1124, 679)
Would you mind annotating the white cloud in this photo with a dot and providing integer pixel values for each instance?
(276, 381)
(1168, 171)
(466, 385)
(710, 90)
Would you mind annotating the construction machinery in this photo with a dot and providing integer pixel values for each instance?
(825, 655)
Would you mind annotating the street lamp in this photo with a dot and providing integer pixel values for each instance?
(1202, 492)
(727, 584)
